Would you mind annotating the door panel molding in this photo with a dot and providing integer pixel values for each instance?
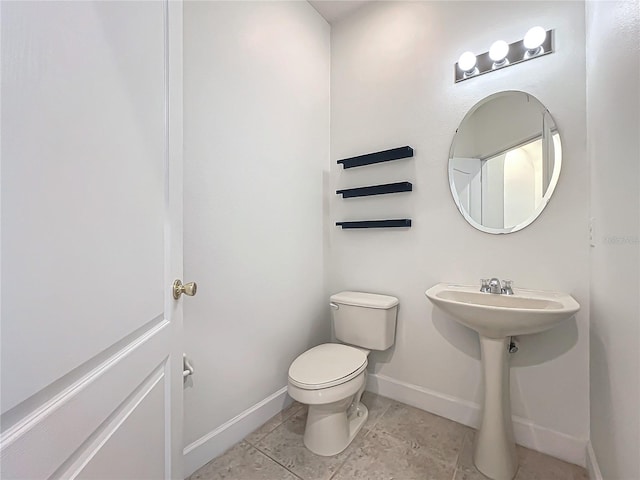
(29, 407)
(71, 468)
(84, 406)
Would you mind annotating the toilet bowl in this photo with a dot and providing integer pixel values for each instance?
(331, 378)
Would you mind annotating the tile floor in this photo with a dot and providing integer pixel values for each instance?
(397, 442)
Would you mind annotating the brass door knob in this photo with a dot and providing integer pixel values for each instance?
(188, 289)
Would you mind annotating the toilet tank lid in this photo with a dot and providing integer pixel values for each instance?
(361, 299)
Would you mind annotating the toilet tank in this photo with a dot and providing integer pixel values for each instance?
(365, 320)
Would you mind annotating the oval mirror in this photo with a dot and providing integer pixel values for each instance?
(504, 162)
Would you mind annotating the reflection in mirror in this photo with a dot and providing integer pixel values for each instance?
(504, 162)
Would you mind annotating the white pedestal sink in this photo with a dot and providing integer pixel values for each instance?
(496, 317)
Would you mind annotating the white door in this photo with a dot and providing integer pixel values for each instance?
(91, 373)
(467, 182)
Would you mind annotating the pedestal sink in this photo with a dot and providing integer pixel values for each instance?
(496, 317)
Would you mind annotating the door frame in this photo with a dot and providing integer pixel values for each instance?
(174, 225)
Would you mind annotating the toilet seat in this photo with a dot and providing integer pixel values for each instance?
(327, 365)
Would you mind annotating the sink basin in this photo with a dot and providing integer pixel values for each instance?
(498, 316)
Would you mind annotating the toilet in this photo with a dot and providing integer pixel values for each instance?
(331, 377)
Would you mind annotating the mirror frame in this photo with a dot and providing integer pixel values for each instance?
(548, 193)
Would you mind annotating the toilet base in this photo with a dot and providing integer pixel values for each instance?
(328, 432)
(335, 414)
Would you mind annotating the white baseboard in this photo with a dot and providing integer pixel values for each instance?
(225, 436)
(592, 464)
(527, 433)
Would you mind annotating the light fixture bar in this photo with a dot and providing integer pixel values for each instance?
(518, 53)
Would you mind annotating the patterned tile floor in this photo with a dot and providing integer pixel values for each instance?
(397, 442)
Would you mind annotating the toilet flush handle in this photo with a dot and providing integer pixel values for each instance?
(334, 306)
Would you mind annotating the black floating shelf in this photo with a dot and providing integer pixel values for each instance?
(402, 222)
(376, 190)
(377, 157)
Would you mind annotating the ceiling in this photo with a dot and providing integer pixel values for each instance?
(334, 10)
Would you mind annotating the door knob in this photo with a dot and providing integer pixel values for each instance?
(188, 289)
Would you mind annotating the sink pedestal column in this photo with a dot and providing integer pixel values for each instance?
(495, 449)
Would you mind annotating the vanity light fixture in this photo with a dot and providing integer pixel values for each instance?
(536, 43)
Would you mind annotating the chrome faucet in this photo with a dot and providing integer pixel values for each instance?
(493, 285)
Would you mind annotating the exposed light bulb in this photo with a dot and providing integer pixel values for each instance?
(534, 38)
(467, 62)
(498, 51)
(533, 41)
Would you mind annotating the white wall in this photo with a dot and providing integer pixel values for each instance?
(492, 128)
(392, 85)
(256, 133)
(613, 123)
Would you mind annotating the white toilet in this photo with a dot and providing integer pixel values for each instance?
(331, 378)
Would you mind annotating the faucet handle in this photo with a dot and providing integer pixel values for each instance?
(507, 287)
(484, 285)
